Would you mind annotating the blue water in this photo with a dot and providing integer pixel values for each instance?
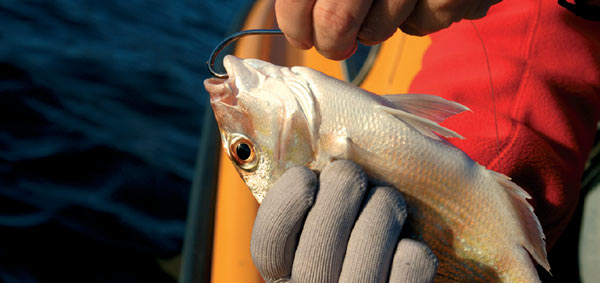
(101, 110)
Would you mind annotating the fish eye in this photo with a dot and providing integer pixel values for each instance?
(243, 153)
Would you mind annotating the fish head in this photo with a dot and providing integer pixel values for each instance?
(265, 115)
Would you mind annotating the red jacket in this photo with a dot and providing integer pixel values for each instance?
(545, 69)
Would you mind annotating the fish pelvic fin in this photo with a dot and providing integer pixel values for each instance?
(430, 107)
(423, 125)
(533, 240)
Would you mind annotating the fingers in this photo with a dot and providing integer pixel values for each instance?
(294, 18)
(383, 20)
(430, 16)
(413, 262)
(333, 26)
(336, 25)
(480, 10)
(321, 247)
(374, 237)
(279, 220)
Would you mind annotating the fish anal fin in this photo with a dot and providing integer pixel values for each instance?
(423, 125)
(430, 107)
(533, 238)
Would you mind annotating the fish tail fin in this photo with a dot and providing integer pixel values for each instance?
(533, 236)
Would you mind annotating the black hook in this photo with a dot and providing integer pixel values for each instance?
(230, 39)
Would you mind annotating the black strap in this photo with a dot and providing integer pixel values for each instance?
(588, 12)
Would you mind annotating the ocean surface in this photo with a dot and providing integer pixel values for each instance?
(101, 112)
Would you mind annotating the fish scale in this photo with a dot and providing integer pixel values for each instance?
(476, 221)
(445, 202)
(410, 176)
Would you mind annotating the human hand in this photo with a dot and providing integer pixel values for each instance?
(333, 27)
(336, 229)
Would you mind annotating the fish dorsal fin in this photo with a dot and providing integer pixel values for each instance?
(430, 107)
(533, 239)
(425, 126)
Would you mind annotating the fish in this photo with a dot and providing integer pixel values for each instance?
(477, 222)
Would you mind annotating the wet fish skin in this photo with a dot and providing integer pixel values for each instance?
(477, 222)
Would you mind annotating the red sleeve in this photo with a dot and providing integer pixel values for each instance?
(544, 63)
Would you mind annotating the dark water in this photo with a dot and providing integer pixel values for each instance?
(101, 108)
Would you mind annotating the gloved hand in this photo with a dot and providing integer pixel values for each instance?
(336, 229)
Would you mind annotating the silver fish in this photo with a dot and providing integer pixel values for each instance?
(477, 222)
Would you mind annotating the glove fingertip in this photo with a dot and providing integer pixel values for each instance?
(413, 262)
(389, 198)
(296, 182)
(342, 173)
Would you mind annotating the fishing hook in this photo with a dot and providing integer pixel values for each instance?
(230, 39)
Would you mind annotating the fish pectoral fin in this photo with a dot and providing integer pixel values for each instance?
(423, 125)
(342, 147)
(430, 107)
(338, 147)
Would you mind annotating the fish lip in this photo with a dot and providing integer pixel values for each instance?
(226, 90)
(220, 90)
(223, 90)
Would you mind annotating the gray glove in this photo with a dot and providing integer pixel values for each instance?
(345, 232)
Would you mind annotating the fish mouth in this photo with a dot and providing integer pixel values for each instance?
(221, 90)
(240, 76)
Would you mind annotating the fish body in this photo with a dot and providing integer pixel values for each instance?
(477, 222)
